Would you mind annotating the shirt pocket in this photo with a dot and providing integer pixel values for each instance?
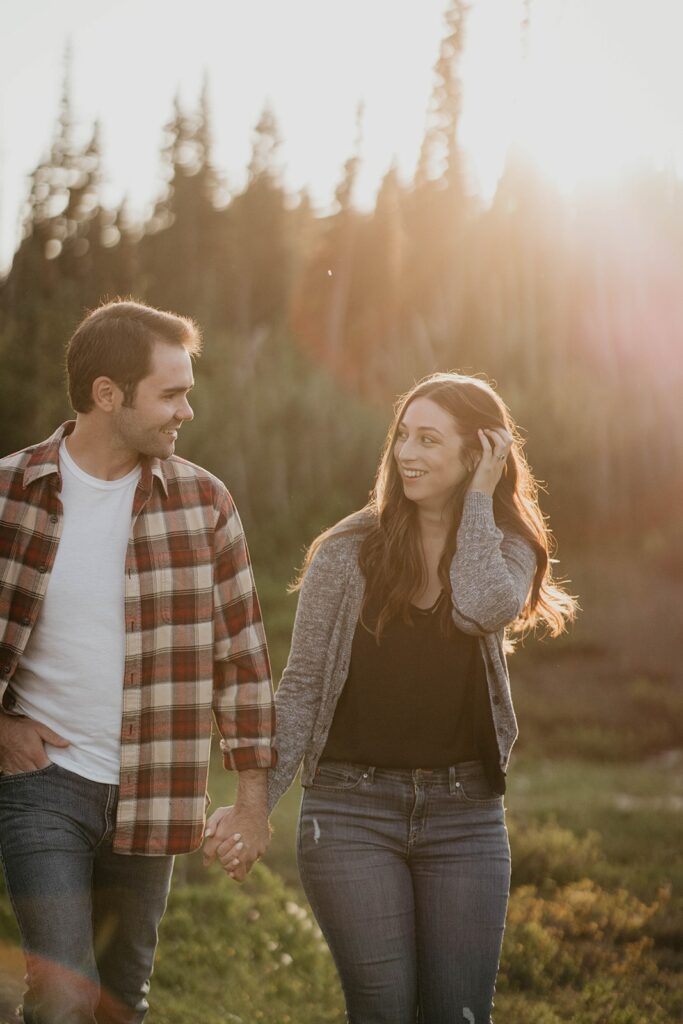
(184, 585)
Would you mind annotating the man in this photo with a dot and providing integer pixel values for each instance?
(128, 615)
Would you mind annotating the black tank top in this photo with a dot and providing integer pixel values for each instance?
(419, 699)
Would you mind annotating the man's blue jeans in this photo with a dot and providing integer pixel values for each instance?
(88, 917)
(408, 875)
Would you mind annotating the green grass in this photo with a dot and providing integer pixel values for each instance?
(636, 810)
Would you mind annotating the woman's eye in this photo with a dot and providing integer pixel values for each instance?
(427, 440)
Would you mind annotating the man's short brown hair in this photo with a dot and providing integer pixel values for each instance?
(116, 340)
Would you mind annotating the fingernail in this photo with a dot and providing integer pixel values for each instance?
(237, 835)
(239, 846)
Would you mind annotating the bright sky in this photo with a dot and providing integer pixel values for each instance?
(600, 88)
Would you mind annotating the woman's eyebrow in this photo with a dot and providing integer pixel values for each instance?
(432, 430)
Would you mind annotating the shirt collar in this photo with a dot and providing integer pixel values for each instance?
(152, 469)
(44, 461)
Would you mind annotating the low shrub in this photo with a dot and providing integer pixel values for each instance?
(545, 854)
(576, 933)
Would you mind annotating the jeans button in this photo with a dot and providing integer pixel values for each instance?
(457, 785)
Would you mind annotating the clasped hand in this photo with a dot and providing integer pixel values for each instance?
(237, 837)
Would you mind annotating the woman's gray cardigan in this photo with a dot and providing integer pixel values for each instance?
(491, 575)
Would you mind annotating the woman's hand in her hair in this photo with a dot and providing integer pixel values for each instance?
(495, 445)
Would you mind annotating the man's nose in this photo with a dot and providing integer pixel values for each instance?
(185, 412)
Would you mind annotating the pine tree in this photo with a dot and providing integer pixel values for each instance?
(54, 274)
(259, 247)
(437, 209)
(180, 254)
(322, 310)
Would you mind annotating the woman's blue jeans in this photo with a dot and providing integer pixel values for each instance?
(408, 874)
(88, 917)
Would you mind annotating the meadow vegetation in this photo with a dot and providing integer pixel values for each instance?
(595, 817)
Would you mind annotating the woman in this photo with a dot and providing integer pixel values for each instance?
(396, 696)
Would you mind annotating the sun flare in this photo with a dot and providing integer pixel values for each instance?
(581, 91)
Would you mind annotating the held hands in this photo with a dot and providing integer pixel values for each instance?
(496, 445)
(237, 837)
(22, 744)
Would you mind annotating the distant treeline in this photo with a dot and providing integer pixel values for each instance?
(314, 323)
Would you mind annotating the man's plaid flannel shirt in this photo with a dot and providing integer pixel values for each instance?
(195, 646)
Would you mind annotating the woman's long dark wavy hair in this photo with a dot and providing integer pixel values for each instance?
(390, 555)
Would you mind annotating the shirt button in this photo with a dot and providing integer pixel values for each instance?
(26, 621)
(42, 568)
(54, 519)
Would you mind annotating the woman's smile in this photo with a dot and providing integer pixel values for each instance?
(428, 445)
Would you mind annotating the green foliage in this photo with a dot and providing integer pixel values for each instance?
(545, 854)
(582, 955)
(292, 459)
(559, 940)
(241, 955)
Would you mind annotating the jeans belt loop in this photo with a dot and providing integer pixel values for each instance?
(451, 780)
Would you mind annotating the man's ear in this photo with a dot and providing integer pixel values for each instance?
(105, 394)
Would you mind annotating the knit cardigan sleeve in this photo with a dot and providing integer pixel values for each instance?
(492, 571)
(297, 700)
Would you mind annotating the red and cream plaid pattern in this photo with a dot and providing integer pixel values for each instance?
(195, 646)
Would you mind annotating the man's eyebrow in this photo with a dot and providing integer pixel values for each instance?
(174, 390)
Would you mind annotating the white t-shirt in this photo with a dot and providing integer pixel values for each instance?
(70, 676)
